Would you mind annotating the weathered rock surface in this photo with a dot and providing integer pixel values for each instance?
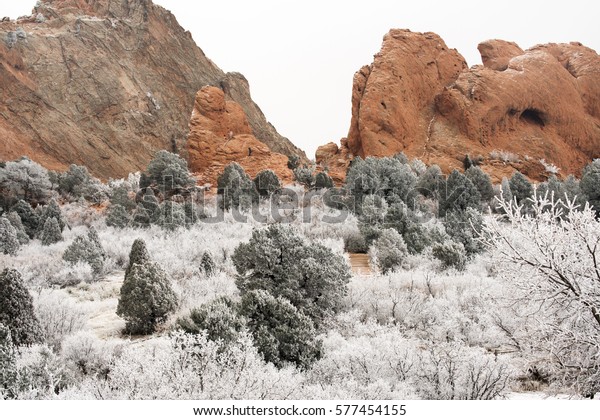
(220, 134)
(519, 108)
(106, 84)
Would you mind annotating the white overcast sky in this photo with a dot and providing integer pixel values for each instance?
(300, 56)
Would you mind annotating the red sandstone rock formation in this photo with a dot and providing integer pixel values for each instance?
(220, 134)
(418, 97)
(106, 84)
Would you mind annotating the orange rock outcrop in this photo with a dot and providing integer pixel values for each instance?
(220, 134)
(527, 110)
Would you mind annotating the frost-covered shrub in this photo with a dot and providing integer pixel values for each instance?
(451, 254)
(481, 181)
(355, 243)
(458, 195)
(59, 316)
(431, 182)
(9, 241)
(118, 216)
(15, 221)
(304, 176)
(120, 196)
(235, 188)
(16, 309)
(88, 249)
(282, 334)
(72, 275)
(590, 184)
(207, 264)
(267, 183)
(77, 182)
(323, 180)
(9, 375)
(150, 202)
(281, 262)
(169, 216)
(168, 171)
(146, 298)
(29, 218)
(25, 180)
(52, 210)
(137, 255)
(465, 227)
(51, 232)
(219, 319)
(389, 251)
(521, 188)
(141, 217)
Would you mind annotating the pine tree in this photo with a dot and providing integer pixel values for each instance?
(146, 298)
(52, 210)
(590, 184)
(51, 233)
(117, 216)
(459, 195)
(208, 264)
(15, 221)
(170, 215)
(9, 241)
(87, 249)
(521, 188)
(8, 365)
(16, 309)
(323, 180)
(482, 182)
(138, 255)
(267, 183)
(141, 218)
(235, 188)
(150, 202)
(28, 217)
(120, 196)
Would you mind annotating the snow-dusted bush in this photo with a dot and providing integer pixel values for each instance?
(551, 258)
(207, 264)
(236, 189)
(355, 243)
(9, 241)
(15, 221)
(29, 218)
(51, 233)
(267, 183)
(25, 180)
(88, 249)
(59, 316)
(323, 180)
(451, 254)
(389, 251)
(146, 298)
(304, 176)
(167, 171)
(16, 309)
(118, 216)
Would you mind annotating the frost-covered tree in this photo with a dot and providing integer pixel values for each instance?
(590, 184)
(29, 217)
(431, 182)
(277, 260)
(465, 227)
(120, 196)
(207, 263)
(117, 216)
(52, 210)
(451, 254)
(293, 162)
(355, 243)
(521, 188)
(219, 318)
(146, 298)
(77, 182)
(235, 188)
(389, 251)
(267, 183)
(170, 215)
(150, 202)
(552, 260)
(282, 334)
(137, 255)
(16, 309)
(323, 180)
(458, 195)
(51, 233)
(482, 182)
(304, 176)
(87, 249)
(9, 241)
(8, 365)
(168, 172)
(140, 218)
(15, 221)
(26, 180)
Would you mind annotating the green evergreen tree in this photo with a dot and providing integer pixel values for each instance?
(310, 276)
(458, 195)
(9, 241)
(150, 202)
(51, 233)
(208, 264)
(138, 255)
(323, 180)
(15, 221)
(120, 196)
(282, 334)
(235, 188)
(169, 172)
(8, 365)
(170, 215)
(431, 182)
(389, 251)
(305, 177)
(521, 188)
(482, 182)
(267, 183)
(451, 254)
(146, 298)
(141, 219)
(590, 184)
(293, 162)
(118, 216)
(219, 318)
(16, 309)
(465, 227)
(52, 210)
(28, 217)
(87, 249)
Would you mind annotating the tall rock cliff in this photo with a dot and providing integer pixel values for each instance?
(534, 110)
(106, 83)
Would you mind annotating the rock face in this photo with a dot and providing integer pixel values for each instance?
(220, 133)
(525, 110)
(106, 84)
